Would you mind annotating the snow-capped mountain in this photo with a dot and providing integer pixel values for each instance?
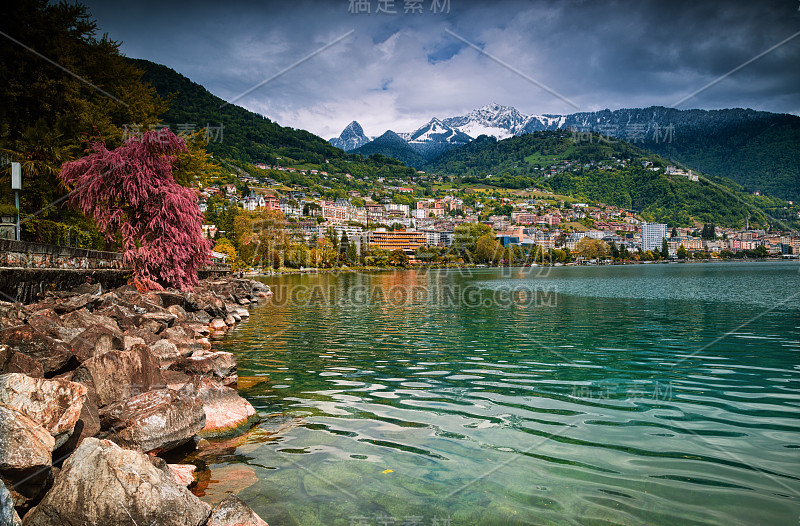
(493, 119)
(351, 137)
(437, 132)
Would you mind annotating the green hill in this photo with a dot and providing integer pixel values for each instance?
(609, 171)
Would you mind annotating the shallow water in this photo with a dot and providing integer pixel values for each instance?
(646, 394)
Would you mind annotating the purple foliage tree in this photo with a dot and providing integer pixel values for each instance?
(130, 192)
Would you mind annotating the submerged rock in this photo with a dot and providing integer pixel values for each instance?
(232, 511)
(102, 483)
(182, 474)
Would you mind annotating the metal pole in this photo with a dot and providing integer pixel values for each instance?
(16, 200)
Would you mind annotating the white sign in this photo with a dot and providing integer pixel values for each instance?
(16, 176)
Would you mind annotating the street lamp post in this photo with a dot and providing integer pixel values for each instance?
(16, 185)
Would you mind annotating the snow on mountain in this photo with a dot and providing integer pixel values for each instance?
(439, 132)
(493, 119)
(351, 137)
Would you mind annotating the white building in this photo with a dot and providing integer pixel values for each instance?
(653, 235)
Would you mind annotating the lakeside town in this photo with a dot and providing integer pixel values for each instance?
(525, 225)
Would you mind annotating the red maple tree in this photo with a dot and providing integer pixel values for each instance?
(130, 192)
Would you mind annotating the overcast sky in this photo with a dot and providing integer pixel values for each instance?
(396, 71)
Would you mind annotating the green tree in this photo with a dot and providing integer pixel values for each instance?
(682, 252)
(664, 249)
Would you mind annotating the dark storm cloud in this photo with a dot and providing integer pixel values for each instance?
(397, 71)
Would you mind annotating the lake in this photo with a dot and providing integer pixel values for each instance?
(638, 394)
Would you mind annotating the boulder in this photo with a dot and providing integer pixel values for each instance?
(230, 321)
(83, 319)
(157, 420)
(50, 324)
(74, 303)
(244, 313)
(220, 365)
(182, 474)
(26, 448)
(102, 483)
(226, 412)
(54, 355)
(8, 515)
(129, 341)
(166, 352)
(148, 336)
(55, 405)
(12, 361)
(179, 312)
(96, 340)
(171, 297)
(218, 324)
(118, 375)
(232, 511)
(124, 317)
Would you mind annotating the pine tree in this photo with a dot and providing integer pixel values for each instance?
(664, 249)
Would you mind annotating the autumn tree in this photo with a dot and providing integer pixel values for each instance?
(132, 196)
(591, 248)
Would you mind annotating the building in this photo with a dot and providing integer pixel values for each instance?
(653, 235)
(406, 240)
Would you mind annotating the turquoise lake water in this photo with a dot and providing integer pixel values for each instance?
(641, 394)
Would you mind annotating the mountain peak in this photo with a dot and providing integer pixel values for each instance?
(351, 137)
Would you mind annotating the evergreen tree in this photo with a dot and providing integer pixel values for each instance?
(674, 232)
(664, 249)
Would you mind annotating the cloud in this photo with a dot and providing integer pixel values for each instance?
(398, 71)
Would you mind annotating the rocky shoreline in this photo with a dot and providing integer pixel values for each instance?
(95, 385)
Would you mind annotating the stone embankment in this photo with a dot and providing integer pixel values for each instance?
(96, 384)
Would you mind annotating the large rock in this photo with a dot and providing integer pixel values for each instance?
(83, 319)
(156, 420)
(226, 412)
(171, 297)
(25, 447)
(74, 303)
(102, 483)
(53, 404)
(220, 365)
(182, 474)
(54, 355)
(12, 361)
(8, 515)
(50, 324)
(118, 375)
(166, 352)
(232, 511)
(96, 340)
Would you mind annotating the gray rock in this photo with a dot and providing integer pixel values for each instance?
(232, 511)
(8, 515)
(102, 483)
